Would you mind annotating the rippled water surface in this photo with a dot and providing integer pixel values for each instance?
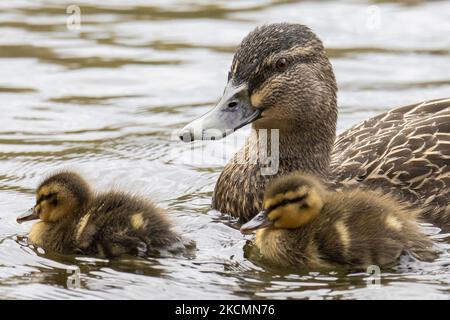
(106, 99)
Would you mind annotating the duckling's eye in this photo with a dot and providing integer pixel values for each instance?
(281, 64)
(54, 201)
(49, 196)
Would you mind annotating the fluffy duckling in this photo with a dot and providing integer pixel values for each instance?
(75, 220)
(303, 224)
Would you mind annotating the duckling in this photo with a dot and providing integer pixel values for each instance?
(73, 219)
(281, 78)
(304, 224)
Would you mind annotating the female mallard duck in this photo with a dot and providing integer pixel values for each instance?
(282, 79)
(303, 224)
(74, 220)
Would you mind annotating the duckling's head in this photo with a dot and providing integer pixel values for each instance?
(289, 203)
(280, 78)
(59, 196)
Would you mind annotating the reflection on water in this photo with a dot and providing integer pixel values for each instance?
(106, 99)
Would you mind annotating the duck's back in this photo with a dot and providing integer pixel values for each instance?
(405, 151)
(364, 228)
(117, 223)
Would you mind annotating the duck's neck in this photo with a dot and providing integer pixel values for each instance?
(299, 147)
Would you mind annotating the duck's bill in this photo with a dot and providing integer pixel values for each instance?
(261, 220)
(233, 111)
(27, 216)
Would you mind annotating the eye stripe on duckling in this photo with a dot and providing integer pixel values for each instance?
(45, 197)
(286, 202)
(285, 198)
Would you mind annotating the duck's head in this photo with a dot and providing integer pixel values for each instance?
(289, 203)
(58, 197)
(280, 78)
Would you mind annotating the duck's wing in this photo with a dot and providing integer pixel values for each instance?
(101, 213)
(405, 150)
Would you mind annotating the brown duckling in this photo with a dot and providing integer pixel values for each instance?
(305, 225)
(73, 219)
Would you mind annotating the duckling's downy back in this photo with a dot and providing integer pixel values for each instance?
(119, 223)
(369, 227)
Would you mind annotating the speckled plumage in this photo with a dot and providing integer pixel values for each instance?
(403, 151)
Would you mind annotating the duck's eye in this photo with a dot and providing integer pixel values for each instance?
(50, 196)
(281, 64)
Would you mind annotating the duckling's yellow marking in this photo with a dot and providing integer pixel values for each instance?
(314, 201)
(293, 215)
(393, 223)
(82, 225)
(37, 233)
(288, 217)
(344, 234)
(43, 190)
(137, 220)
(290, 195)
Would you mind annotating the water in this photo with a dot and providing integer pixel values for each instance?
(106, 99)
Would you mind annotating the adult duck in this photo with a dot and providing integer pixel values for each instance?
(281, 78)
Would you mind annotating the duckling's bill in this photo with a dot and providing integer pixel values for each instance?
(30, 214)
(233, 111)
(261, 220)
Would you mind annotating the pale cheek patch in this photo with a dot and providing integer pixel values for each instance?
(258, 97)
(393, 223)
(137, 221)
(82, 225)
(289, 216)
(37, 234)
(343, 233)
